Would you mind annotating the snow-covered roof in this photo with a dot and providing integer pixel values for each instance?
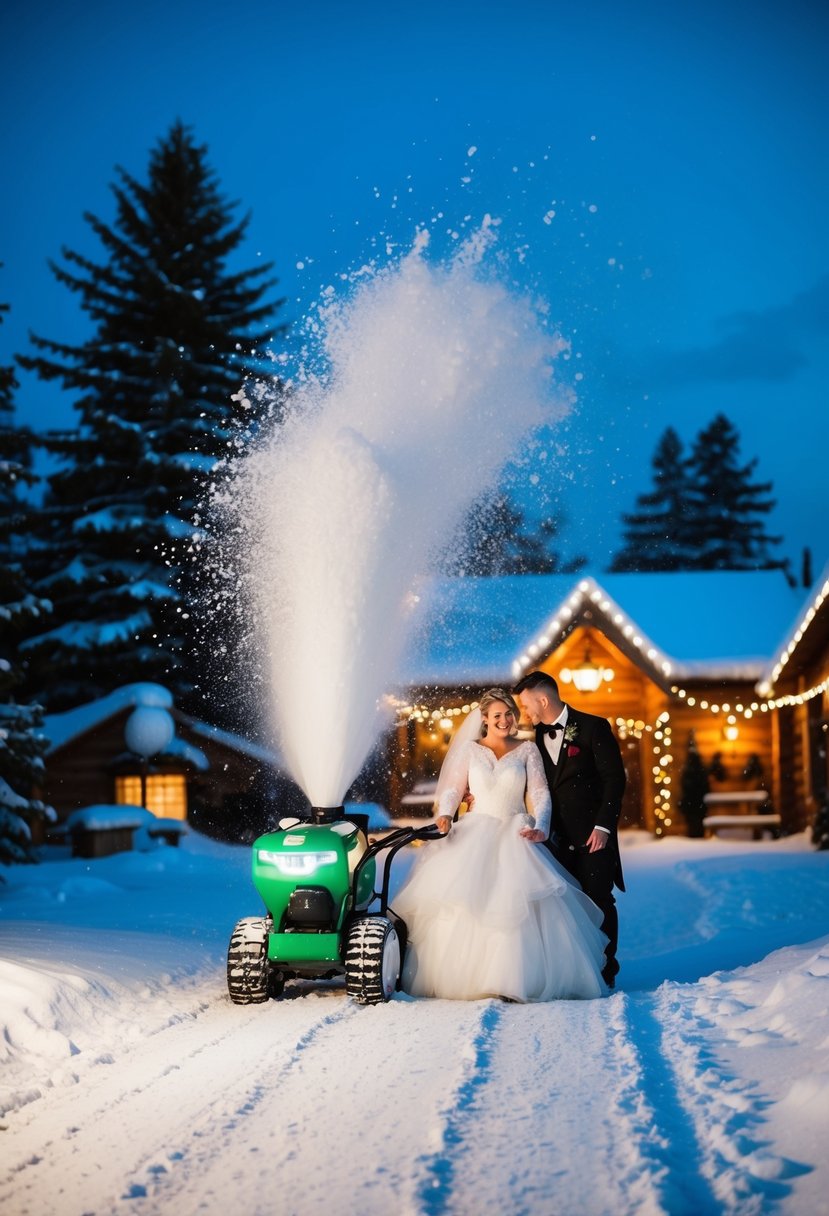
(103, 817)
(717, 624)
(790, 647)
(237, 742)
(62, 728)
(187, 752)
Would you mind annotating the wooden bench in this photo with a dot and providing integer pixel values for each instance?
(746, 814)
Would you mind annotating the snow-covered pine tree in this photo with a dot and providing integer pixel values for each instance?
(654, 534)
(176, 333)
(726, 524)
(22, 744)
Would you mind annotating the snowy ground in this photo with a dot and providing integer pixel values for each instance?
(130, 1084)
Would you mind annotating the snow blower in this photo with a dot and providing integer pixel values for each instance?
(327, 910)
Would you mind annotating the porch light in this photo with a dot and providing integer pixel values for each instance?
(588, 676)
(731, 731)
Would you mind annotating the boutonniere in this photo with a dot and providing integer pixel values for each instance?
(571, 734)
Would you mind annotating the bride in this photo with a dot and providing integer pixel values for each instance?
(489, 912)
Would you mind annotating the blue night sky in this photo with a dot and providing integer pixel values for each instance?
(682, 149)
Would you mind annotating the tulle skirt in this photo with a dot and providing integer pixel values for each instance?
(490, 914)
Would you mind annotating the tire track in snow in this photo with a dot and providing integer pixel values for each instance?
(145, 1112)
(724, 1113)
(550, 1118)
(438, 1167)
(359, 1104)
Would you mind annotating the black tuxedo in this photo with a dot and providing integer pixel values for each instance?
(586, 786)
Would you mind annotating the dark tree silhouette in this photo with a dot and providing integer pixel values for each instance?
(704, 512)
(727, 520)
(655, 533)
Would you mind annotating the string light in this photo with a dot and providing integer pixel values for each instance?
(748, 711)
(661, 764)
(444, 715)
(589, 593)
(789, 647)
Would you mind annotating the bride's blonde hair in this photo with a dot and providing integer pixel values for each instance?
(490, 697)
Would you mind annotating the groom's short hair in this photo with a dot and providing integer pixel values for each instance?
(539, 680)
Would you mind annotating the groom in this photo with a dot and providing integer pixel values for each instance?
(587, 779)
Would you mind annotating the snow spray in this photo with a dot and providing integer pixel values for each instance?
(434, 374)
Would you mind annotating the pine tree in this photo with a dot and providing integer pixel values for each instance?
(158, 383)
(498, 539)
(693, 788)
(654, 534)
(21, 743)
(726, 525)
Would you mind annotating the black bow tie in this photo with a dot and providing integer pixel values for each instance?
(551, 730)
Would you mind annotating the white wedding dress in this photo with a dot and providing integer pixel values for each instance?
(488, 912)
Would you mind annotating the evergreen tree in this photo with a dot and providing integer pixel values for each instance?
(176, 333)
(693, 788)
(704, 511)
(726, 523)
(21, 743)
(499, 540)
(654, 534)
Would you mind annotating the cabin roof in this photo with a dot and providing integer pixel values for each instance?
(717, 624)
(805, 640)
(61, 729)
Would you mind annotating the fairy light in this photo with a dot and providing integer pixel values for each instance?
(748, 711)
(445, 715)
(588, 591)
(661, 762)
(782, 658)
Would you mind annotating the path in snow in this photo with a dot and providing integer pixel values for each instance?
(167, 1099)
(315, 1105)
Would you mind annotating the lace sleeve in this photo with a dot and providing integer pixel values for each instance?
(453, 780)
(538, 790)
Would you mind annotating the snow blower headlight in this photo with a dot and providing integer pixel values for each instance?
(297, 865)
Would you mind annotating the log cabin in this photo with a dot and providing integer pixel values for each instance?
(225, 785)
(673, 660)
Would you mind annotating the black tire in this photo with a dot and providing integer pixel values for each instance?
(248, 971)
(372, 960)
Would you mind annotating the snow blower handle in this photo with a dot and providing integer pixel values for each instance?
(432, 831)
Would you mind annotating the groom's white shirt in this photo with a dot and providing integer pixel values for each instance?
(554, 744)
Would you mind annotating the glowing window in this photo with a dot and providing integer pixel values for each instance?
(166, 793)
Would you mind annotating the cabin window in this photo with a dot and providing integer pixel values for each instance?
(166, 793)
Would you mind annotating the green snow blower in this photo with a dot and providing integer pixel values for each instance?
(327, 910)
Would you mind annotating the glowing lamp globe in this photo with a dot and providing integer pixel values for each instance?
(149, 730)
